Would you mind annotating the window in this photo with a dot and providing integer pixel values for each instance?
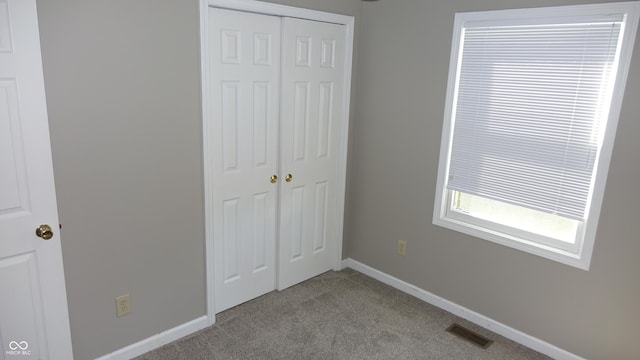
(533, 101)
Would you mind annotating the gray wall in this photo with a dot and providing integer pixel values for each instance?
(123, 92)
(404, 52)
(122, 81)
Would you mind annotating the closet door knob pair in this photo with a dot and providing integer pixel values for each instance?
(274, 178)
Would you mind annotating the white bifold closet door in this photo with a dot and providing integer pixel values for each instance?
(277, 88)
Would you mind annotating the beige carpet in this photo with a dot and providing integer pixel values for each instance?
(337, 315)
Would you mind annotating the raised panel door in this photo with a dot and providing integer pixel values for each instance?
(312, 92)
(245, 85)
(34, 321)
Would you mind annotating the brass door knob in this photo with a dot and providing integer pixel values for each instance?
(274, 178)
(288, 178)
(44, 231)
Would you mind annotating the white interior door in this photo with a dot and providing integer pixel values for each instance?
(267, 123)
(244, 87)
(312, 92)
(34, 321)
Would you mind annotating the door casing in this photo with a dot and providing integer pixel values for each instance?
(283, 11)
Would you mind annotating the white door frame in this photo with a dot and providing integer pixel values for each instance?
(277, 10)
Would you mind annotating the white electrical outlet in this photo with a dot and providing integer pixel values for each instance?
(123, 305)
(402, 247)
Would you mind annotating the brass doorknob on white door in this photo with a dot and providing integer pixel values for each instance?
(44, 231)
(274, 178)
(288, 178)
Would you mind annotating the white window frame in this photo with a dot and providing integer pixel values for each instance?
(579, 255)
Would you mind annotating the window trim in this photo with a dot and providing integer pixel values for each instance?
(442, 215)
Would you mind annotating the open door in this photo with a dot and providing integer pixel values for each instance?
(34, 320)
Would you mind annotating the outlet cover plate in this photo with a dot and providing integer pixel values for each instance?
(123, 305)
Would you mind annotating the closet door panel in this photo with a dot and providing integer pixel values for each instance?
(311, 118)
(244, 85)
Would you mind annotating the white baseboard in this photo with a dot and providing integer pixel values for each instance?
(470, 315)
(158, 340)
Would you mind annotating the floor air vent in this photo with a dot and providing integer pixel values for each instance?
(469, 335)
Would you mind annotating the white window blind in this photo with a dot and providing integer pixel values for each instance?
(529, 112)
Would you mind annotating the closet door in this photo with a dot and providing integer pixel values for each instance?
(244, 86)
(312, 92)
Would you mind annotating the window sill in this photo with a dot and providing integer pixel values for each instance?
(577, 260)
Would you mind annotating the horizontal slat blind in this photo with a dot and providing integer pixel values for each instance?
(531, 106)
